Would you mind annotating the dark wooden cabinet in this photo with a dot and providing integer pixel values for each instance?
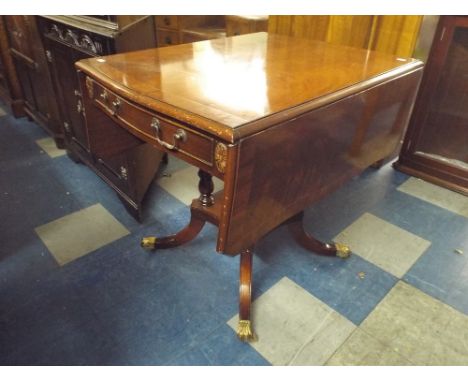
(436, 143)
(27, 53)
(62, 60)
(10, 88)
(68, 39)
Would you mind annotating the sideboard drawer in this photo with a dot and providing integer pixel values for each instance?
(164, 133)
(167, 21)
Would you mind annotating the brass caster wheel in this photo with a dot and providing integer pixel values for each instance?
(244, 331)
(148, 242)
(342, 251)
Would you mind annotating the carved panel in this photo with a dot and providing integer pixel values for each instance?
(75, 38)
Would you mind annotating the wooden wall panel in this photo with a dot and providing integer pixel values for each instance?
(396, 34)
(350, 30)
(280, 24)
(391, 34)
(314, 27)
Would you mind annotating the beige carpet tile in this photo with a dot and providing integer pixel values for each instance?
(420, 328)
(48, 145)
(389, 247)
(361, 349)
(80, 233)
(436, 195)
(294, 327)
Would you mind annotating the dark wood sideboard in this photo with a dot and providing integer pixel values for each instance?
(38, 98)
(10, 88)
(436, 143)
(125, 163)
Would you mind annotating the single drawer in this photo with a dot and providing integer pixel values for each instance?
(167, 37)
(167, 21)
(115, 171)
(162, 132)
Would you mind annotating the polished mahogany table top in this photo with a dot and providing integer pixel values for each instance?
(240, 85)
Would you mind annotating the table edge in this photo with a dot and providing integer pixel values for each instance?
(233, 135)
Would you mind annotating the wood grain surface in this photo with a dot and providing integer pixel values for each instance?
(230, 87)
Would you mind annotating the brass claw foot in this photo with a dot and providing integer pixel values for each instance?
(148, 242)
(342, 250)
(244, 331)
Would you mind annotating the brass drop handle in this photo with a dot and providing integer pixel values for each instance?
(179, 136)
(115, 106)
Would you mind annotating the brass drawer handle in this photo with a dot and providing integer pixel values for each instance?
(123, 171)
(116, 106)
(179, 136)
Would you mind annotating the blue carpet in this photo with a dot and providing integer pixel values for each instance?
(121, 305)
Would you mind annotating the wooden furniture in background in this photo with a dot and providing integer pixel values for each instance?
(27, 52)
(436, 143)
(390, 34)
(173, 30)
(280, 132)
(237, 25)
(10, 88)
(68, 39)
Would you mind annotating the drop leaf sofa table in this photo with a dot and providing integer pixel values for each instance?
(283, 121)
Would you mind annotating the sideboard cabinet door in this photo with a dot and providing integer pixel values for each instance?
(27, 51)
